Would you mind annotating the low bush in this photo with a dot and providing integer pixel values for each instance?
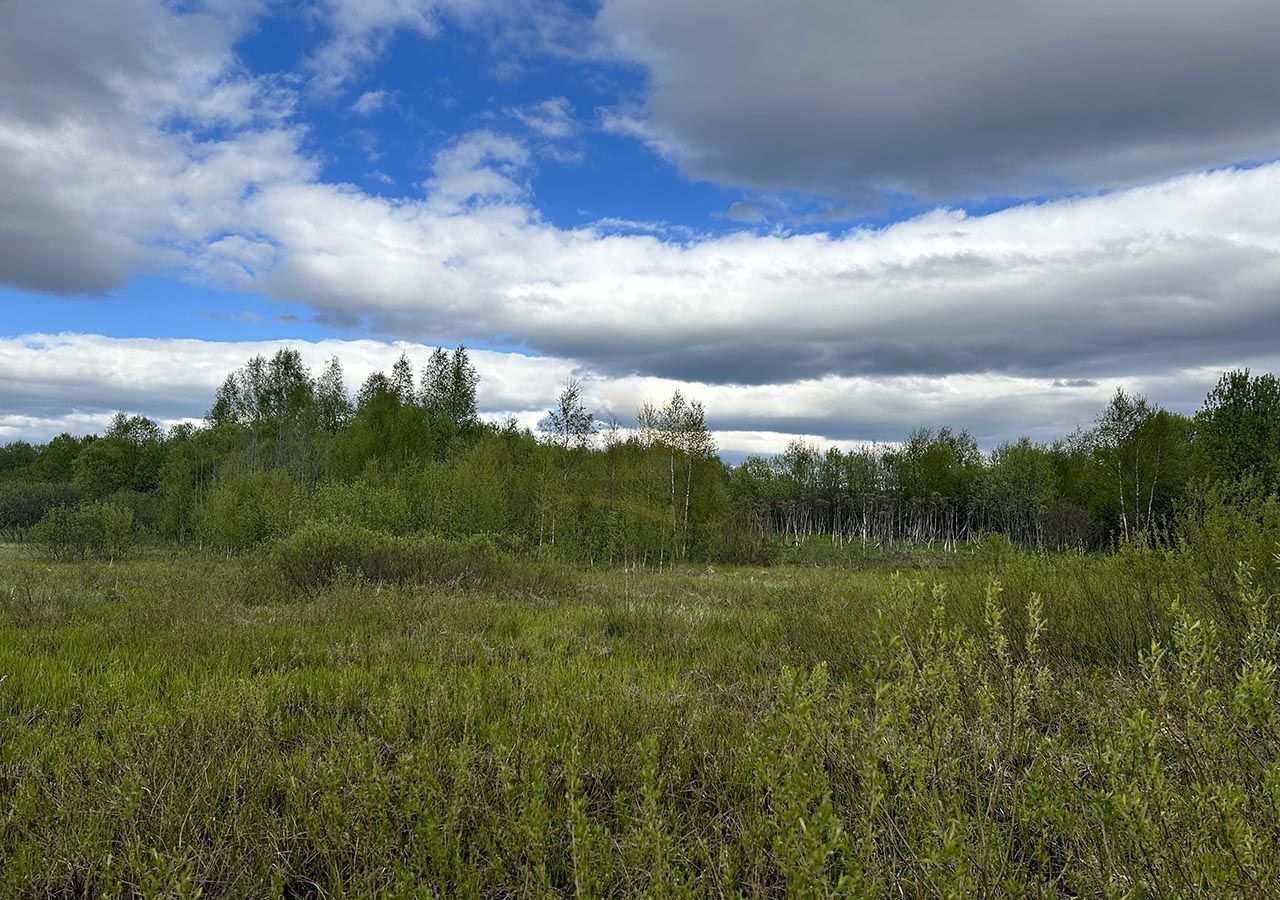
(371, 506)
(793, 733)
(320, 553)
(747, 545)
(245, 510)
(23, 504)
(89, 531)
(1220, 527)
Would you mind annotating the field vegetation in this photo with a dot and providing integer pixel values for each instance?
(1002, 724)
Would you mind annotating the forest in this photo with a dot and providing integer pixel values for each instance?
(282, 447)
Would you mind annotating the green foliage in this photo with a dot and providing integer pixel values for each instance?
(24, 503)
(321, 553)
(279, 409)
(1018, 489)
(178, 728)
(659, 496)
(57, 459)
(89, 531)
(570, 423)
(129, 457)
(1222, 526)
(1238, 429)
(1142, 460)
(946, 463)
(101, 468)
(364, 503)
(17, 460)
(244, 510)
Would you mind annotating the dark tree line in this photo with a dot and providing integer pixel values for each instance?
(1127, 476)
(408, 453)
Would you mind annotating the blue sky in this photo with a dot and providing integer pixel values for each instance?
(829, 221)
(430, 90)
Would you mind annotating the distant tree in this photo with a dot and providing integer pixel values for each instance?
(102, 468)
(377, 390)
(274, 402)
(1141, 456)
(944, 464)
(57, 458)
(436, 383)
(797, 466)
(680, 430)
(569, 424)
(1238, 429)
(463, 380)
(449, 384)
(402, 381)
(384, 429)
(333, 406)
(16, 459)
(1018, 489)
(24, 503)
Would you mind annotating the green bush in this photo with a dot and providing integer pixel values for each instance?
(746, 545)
(244, 510)
(320, 553)
(1221, 527)
(799, 733)
(23, 504)
(362, 503)
(90, 531)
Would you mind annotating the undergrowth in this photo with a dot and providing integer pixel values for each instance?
(1020, 726)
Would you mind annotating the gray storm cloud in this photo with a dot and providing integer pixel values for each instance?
(945, 100)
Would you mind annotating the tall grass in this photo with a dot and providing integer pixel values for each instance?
(1010, 726)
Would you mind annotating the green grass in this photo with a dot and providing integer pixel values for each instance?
(180, 725)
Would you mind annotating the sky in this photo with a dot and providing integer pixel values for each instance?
(827, 220)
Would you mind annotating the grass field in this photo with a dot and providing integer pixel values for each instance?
(988, 725)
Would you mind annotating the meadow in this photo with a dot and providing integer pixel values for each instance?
(988, 722)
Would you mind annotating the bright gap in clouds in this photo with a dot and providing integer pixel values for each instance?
(230, 171)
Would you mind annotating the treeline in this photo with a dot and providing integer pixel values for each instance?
(282, 446)
(1134, 473)
(407, 454)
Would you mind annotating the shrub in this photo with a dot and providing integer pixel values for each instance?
(23, 504)
(361, 503)
(1225, 526)
(144, 505)
(320, 553)
(746, 544)
(93, 530)
(245, 510)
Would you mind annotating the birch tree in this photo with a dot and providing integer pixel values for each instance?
(569, 424)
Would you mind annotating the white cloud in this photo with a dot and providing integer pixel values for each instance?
(481, 166)
(154, 149)
(100, 161)
(551, 118)
(369, 103)
(359, 31)
(1176, 273)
